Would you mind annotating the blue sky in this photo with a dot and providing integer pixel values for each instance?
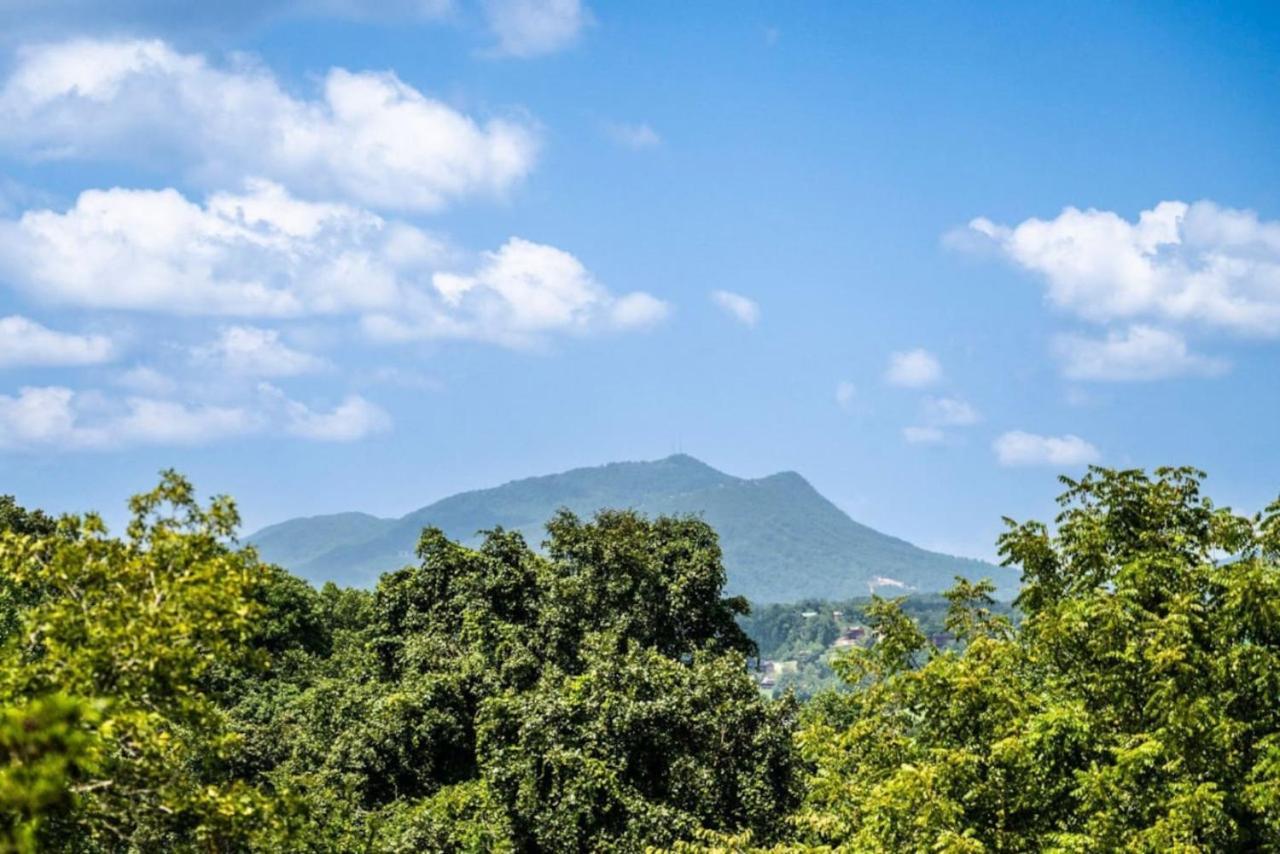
(929, 257)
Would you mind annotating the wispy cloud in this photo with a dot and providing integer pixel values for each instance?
(1017, 448)
(634, 136)
(253, 351)
(59, 418)
(25, 342)
(742, 309)
(916, 435)
(846, 394)
(950, 412)
(526, 28)
(1137, 353)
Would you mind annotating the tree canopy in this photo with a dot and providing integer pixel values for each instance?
(1136, 706)
(167, 690)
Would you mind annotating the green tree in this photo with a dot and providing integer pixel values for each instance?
(1135, 707)
(594, 696)
(114, 740)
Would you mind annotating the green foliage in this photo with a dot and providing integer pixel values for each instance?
(593, 697)
(48, 749)
(169, 691)
(638, 749)
(19, 520)
(799, 642)
(103, 683)
(1134, 708)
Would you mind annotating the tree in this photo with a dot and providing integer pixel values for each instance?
(591, 697)
(1134, 708)
(114, 738)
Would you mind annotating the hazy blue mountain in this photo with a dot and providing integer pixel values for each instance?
(782, 540)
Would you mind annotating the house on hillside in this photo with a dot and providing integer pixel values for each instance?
(852, 636)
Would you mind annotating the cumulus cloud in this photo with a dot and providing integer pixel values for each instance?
(516, 296)
(25, 342)
(258, 253)
(913, 369)
(525, 28)
(637, 136)
(263, 253)
(253, 351)
(1017, 448)
(742, 309)
(922, 435)
(368, 137)
(1197, 263)
(58, 418)
(1138, 353)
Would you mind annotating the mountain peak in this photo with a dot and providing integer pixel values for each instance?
(781, 539)
(684, 460)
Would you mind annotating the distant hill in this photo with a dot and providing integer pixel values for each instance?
(782, 540)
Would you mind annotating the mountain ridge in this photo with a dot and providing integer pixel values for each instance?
(782, 539)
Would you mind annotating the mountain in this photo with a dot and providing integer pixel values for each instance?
(782, 540)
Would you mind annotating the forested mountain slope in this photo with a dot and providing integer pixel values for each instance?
(782, 540)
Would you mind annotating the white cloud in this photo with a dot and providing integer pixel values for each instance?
(58, 418)
(369, 137)
(263, 253)
(913, 369)
(1017, 448)
(36, 415)
(145, 380)
(922, 435)
(846, 393)
(165, 422)
(516, 296)
(253, 351)
(637, 310)
(742, 309)
(25, 342)
(527, 28)
(1178, 262)
(950, 412)
(637, 136)
(354, 418)
(1138, 353)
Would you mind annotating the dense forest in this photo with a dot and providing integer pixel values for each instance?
(166, 690)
